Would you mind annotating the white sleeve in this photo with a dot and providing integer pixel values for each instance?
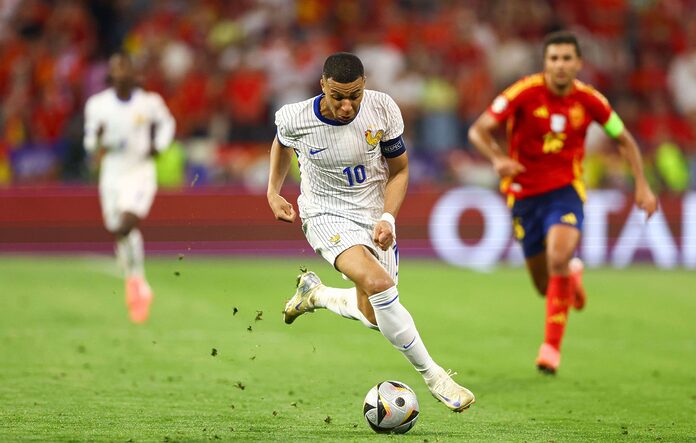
(92, 124)
(282, 130)
(395, 122)
(166, 125)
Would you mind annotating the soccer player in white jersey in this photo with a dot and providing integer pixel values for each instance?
(125, 127)
(354, 175)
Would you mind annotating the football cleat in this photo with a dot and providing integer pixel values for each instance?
(447, 391)
(138, 299)
(549, 359)
(303, 300)
(576, 267)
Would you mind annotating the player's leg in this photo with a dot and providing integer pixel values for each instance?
(312, 294)
(378, 299)
(576, 268)
(131, 252)
(561, 242)
(538, 271)
(135, 198)
(344, 302)
(548, 227)
(129, 242)
(329, 236)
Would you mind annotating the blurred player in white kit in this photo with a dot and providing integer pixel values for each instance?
(125, 128)
(354, 176)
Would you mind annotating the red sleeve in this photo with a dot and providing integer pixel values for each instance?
(597, 105)
(501, 108)
(509, 100)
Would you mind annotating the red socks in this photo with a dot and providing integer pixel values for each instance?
(559, 295)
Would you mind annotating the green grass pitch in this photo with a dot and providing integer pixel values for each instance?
(72, 368)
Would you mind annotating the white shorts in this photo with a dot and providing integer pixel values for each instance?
(330, 235)
(132, 193)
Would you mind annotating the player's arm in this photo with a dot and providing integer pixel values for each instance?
(162, 128)
(645, 199)
(280, 165)
(481, 136)
(94, 131)
(394, 194)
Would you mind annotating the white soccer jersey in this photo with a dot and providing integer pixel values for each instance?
(343, 166)
(127, 179)
(127, 130)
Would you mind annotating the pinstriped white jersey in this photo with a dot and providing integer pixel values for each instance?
(342, 166)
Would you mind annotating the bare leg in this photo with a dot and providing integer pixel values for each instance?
(538, 270)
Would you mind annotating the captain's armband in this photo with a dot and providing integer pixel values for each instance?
(614, 126)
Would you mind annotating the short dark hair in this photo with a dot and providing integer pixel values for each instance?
(343, 67)
(562, 37)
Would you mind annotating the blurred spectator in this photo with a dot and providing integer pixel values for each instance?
(682, 75)
(224, 67)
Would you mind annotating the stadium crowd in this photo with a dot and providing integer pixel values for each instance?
(224, 67)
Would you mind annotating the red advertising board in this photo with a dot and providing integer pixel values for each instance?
(464, 226)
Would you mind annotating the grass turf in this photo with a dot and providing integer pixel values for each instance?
(73, 368)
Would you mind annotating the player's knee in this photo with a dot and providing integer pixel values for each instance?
(558, 262)
(128, 223)
(375, 285)
(122, 231)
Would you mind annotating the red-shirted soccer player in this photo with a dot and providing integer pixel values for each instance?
(547, 118)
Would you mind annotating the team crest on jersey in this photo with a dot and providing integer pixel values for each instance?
(372, 140)
(335, 239)
(577, 115)
(140, 119)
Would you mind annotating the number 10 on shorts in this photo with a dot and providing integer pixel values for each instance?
(356, 174)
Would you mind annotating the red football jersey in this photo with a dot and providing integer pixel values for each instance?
(546, 133)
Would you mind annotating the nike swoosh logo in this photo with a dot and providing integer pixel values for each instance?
(408, 345)
(316, 151)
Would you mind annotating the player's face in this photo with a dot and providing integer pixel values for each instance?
(343, 99)
(561, 65)
(120, 71)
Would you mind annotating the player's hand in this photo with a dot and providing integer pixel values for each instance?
(507, 167)
(645, 199)
(96, 159)
(382, 235)
(282, 209)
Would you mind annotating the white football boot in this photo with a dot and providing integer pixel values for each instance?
(303, 300)
(443, 388)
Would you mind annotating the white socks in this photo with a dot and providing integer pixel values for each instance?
(395, 322)
(130, 252)
(397, 325)
(343, 302)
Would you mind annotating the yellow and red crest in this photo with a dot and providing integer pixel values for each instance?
(373, 139)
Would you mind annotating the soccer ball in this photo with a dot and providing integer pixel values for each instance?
(391, 407)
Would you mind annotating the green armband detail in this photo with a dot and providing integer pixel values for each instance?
(614, 126)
